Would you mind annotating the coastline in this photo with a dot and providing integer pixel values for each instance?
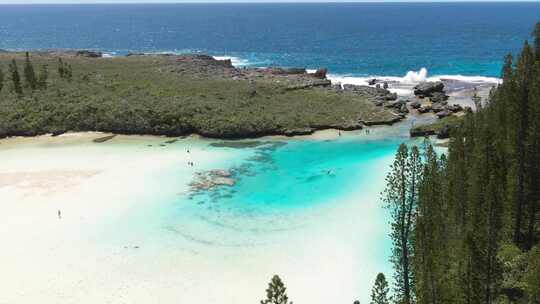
(123, 206)
(181, 95)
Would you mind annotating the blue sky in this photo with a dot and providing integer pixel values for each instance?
(220, 1)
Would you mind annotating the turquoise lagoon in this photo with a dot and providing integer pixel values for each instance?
(306, 208)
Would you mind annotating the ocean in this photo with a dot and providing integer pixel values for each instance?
(354, 39)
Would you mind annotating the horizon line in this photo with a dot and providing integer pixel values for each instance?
(74, 2)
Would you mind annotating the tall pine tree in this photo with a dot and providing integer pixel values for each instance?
(379, 292)
(29, 73)
(276, 293)
(15, 77)
(401, 198)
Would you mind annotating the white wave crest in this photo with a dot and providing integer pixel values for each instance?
(415, 77)
(404, 86)
(469, 79)
(236, 61)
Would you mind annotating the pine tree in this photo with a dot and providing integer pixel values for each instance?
(64, 70)
(276, 292)
(43, 76)
(61, 68)
(401, 198)
(379, 293)
(523, 76)
(1, 79)
(29, 73)
(536, 35)
(486, 195)
(532, 277)
(431, 232)
(68, 72)
(15, 77)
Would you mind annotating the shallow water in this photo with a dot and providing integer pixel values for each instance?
(307, 209)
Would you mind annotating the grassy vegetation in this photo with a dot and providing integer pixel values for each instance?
(437, 126)
(165, 96)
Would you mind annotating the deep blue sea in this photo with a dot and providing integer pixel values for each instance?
(358, 39)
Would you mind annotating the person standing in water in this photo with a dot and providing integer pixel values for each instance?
(59, 214)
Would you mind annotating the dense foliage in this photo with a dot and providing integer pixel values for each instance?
(276, 292)
(164, 95)
(476, 218)
(379, 293)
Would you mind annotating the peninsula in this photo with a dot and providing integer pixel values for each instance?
(177, 95)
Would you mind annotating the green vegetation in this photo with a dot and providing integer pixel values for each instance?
(476, 218)
(276, 292)
(379, 293)
(401, 198)
(42, 77)
(440, 126)
(1, 79)
(15, 77)
(169, 95)
(29, 74)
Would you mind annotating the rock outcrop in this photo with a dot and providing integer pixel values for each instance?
(89, 54)
(320, 73)
(426, 89)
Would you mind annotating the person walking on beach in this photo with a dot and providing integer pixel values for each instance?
(59, 214)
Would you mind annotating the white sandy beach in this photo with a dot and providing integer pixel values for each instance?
(112, 244)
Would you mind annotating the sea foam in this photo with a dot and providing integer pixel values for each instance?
(403, 86)
(236, 61)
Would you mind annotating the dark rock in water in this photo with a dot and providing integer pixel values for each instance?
(89, 54)
(385, 85)
(419, 133)
(57, 133)
(415, 104)
(438, 97)
(172, 141)
(103, 139)
(212, 179)
(378, 86)
(372, 81)
(444, 132)
(320, 73)
(443, 113)
(428, 88)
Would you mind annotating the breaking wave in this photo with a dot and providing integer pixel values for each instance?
(404, 85)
